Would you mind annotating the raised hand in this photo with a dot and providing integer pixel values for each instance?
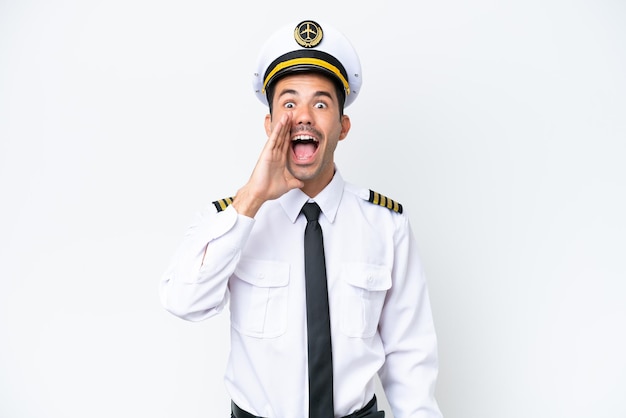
(270, 178)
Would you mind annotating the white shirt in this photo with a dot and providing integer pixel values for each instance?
(380, 312)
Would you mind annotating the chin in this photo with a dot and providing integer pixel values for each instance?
(303, 175)
(319, 171)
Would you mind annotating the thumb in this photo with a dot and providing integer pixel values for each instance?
(294, 183)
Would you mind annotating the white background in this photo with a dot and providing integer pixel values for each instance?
(500, 125)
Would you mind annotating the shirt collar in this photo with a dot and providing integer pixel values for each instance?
(328, 199)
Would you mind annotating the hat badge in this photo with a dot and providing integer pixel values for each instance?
(308, 34)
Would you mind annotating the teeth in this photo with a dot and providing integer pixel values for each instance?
(304, 138)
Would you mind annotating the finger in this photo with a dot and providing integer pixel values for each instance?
(274, 136)
(285, 131)
(278, 133)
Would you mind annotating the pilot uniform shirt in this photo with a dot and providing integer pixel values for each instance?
(379, 307)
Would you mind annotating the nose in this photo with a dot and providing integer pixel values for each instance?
(302, 116)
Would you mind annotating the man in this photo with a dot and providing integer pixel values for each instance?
(359, 309)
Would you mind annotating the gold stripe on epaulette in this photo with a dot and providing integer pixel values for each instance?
(222, 204)
(384, 201)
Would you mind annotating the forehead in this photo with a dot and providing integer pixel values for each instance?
(305, 83)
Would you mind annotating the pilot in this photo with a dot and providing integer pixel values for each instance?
(322, 279)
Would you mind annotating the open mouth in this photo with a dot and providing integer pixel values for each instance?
(304, 146)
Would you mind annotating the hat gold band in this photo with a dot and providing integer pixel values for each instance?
(307, 61)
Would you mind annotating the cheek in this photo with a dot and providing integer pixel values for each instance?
(331, 145)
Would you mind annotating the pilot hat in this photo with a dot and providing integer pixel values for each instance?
(308, 46)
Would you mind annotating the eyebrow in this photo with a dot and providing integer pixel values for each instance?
(319, 93)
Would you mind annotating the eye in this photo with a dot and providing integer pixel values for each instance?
(290, 105)
(320, 105)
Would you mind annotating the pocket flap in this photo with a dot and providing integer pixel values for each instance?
(263, 273)
(366, 276)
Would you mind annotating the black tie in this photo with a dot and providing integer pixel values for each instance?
(318, 320)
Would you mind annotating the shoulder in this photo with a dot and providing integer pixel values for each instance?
(376, 200)
(383, 201)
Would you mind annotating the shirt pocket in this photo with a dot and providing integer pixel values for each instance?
(363, 290)
(259, 292)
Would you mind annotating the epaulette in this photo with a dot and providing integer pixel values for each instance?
(379, 199)
(222, 204)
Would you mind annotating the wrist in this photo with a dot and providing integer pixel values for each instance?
(246, 203)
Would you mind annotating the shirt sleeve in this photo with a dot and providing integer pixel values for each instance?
(410, 371)
(195, 284)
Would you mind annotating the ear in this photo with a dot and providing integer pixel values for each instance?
(345, 126)
(268, 124)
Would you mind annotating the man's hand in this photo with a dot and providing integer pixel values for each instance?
(270, 178)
